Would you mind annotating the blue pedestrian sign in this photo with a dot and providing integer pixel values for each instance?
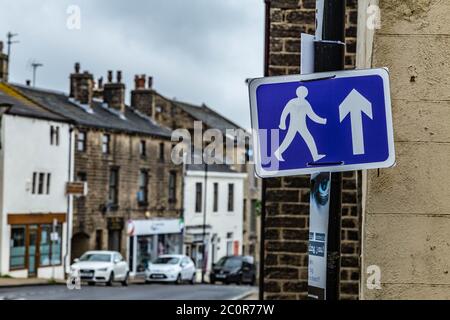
(333, 121)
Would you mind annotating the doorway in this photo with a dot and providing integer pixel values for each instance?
(33, 250)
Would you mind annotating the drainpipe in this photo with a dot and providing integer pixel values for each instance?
(69, 207)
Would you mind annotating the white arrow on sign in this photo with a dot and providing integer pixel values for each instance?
(355, 104)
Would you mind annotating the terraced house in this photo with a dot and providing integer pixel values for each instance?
(123, 156)
(177, 114)
(35, 211)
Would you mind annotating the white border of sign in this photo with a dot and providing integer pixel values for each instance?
(255, 83)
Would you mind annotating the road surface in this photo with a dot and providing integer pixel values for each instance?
(132, 292)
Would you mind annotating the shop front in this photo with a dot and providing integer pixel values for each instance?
(36, 245)
(148, 239)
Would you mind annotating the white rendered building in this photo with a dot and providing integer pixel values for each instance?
(36, 157)
(220, 226)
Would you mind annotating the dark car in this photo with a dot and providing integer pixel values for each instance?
(234, 269)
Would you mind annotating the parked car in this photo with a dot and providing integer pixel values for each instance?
(237, 269)
(171, 268)
(102, 267)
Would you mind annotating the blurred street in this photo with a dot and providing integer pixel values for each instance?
(132, 292)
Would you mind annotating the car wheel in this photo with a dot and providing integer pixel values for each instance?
(91, 283)
(178, 281)
(193, 279)
(253, 282)
(111, 279)
(125, 281)
(239, 280)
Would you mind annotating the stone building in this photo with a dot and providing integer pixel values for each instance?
(286, 214)
(176, 114)
(124, 158)
(406, 208)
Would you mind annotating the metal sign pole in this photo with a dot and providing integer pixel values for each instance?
(329, 55)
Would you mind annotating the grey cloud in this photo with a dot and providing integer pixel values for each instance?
(197, 50)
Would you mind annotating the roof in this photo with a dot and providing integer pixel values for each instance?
(21, 106)
(97, 115)
(205, 114)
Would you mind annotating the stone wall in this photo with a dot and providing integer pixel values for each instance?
(408, 206)
(89, 212)
(287, 199)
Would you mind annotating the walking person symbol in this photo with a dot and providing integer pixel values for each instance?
(298, 109)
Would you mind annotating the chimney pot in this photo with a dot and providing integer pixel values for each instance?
(28, 82)
(77, 67)
(119, 76)
(139, 82)
(110, 76)
(150, 82)
(100, 82)
(1, 46)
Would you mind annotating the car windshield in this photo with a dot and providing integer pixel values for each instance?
(96, 257)
(166, 260)
(229, 262)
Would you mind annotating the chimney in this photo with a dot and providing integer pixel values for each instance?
(114, 92)
(3, 64)
(141, 96)
(81, 85)
(98, 89)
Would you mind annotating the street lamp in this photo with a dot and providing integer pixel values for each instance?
(204, 224)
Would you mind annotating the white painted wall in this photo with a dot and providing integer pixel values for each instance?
(222, 221)
(26, 149)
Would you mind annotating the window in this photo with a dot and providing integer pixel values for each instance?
(41, 183)
(81, 141)
(106, 143)
(98, 239)
(45, 245)
(55, 253)
(161, 151)
(216, 197)
(54, 135)
(198, 197)
(50, 245)
(113, 186)
(49, 175)
(33, 187)
(172, 187)
(143, 187)
(82, 176)
(142, 148)
(230, 197)
(17, 249)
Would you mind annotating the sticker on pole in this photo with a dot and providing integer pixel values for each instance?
(332, 121)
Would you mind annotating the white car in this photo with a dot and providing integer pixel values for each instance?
(171, 268)
(101, 267)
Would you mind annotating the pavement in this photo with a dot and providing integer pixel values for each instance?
(21, 282)
(37, 289)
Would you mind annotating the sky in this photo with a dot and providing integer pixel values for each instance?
(198, 51)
